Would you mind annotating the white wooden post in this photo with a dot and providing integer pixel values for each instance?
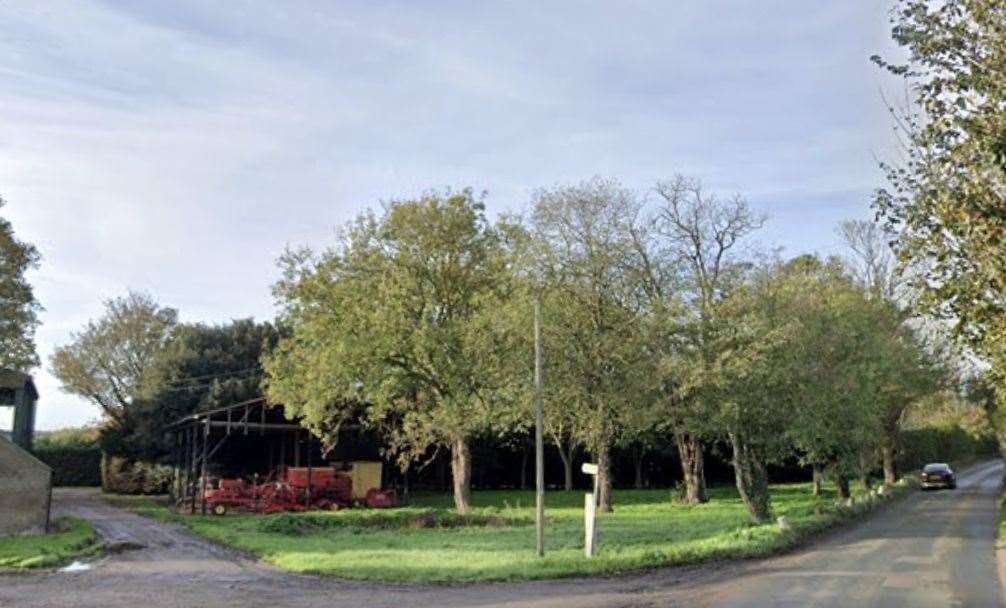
(590, 514)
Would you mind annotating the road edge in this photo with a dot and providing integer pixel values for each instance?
(1000, 541)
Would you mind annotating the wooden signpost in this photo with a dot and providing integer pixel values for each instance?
(590, 513)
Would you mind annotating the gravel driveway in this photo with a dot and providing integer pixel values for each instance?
(933, 549)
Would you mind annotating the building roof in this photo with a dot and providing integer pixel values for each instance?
(14, 380)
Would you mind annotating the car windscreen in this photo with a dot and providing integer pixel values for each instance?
(935, 468)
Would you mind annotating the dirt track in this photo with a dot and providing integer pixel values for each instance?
(933, 549)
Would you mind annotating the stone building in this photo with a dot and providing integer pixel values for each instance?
(25, 482)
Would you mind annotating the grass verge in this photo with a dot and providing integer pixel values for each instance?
(427, 542)
(68, 539)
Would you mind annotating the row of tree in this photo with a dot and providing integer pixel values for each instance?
(145, 370)
(658, 327)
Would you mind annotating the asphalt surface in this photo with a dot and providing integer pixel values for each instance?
(931, 549)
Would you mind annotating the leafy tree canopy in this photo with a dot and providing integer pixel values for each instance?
(396, 320)
(947, 199)
(111, 361)
(18, 307)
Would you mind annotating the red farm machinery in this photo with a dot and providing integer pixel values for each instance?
(220, 456)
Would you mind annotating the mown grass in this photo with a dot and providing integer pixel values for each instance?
(69, 538)
(427, 542)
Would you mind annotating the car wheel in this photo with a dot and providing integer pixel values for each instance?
(220, 509)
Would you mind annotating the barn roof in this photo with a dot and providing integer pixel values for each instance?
(14, 380)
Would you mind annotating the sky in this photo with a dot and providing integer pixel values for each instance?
(179, 147)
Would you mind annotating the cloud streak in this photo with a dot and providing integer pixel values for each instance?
(179, 148)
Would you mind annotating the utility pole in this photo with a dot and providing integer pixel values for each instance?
(539, 456)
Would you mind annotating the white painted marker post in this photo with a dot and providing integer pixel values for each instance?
(590, 513)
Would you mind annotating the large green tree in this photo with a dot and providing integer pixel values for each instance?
(18, 307)
(748, 377)
(396, 321)
(947, 198)
(837, 416)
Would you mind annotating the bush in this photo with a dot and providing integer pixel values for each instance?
(122, 476)
(72, 465)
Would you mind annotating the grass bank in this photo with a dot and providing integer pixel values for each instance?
(427, 542)
(69, 538)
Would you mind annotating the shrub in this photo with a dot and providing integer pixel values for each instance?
(122, 476)
(72, 465)
(941, 444)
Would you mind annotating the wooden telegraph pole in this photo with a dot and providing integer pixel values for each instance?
(539, 456)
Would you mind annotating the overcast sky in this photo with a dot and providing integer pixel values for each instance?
(178, 148)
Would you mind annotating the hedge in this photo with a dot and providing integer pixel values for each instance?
(72, 465)
(951, 444)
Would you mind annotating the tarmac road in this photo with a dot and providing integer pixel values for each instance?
(932, 549)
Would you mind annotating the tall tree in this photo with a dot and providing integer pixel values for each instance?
(750, 371)
(581, 237)
(703, 233)
(946, 199)
(110, 362)
(836, 412)
(397, 317)
(18, 307)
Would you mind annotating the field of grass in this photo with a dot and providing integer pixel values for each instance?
(1001, 534)
(70, 538)
(427, 542)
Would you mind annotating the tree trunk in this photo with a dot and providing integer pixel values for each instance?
(461, 470)
(692, 468)
(604, 479)
(887, 455)
(567, 465)
(818, 477)
(638, 456)
(865, 468)
(842, 481)
(752, 480)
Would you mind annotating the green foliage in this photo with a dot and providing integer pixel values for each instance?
(18, 307)
(394, 322)
(578, 245)
(951, 444)
(72, 465)
(201, 367)
(946, 201)
(75, 437)
(646, 531)
(69, 538)
(109, 363)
